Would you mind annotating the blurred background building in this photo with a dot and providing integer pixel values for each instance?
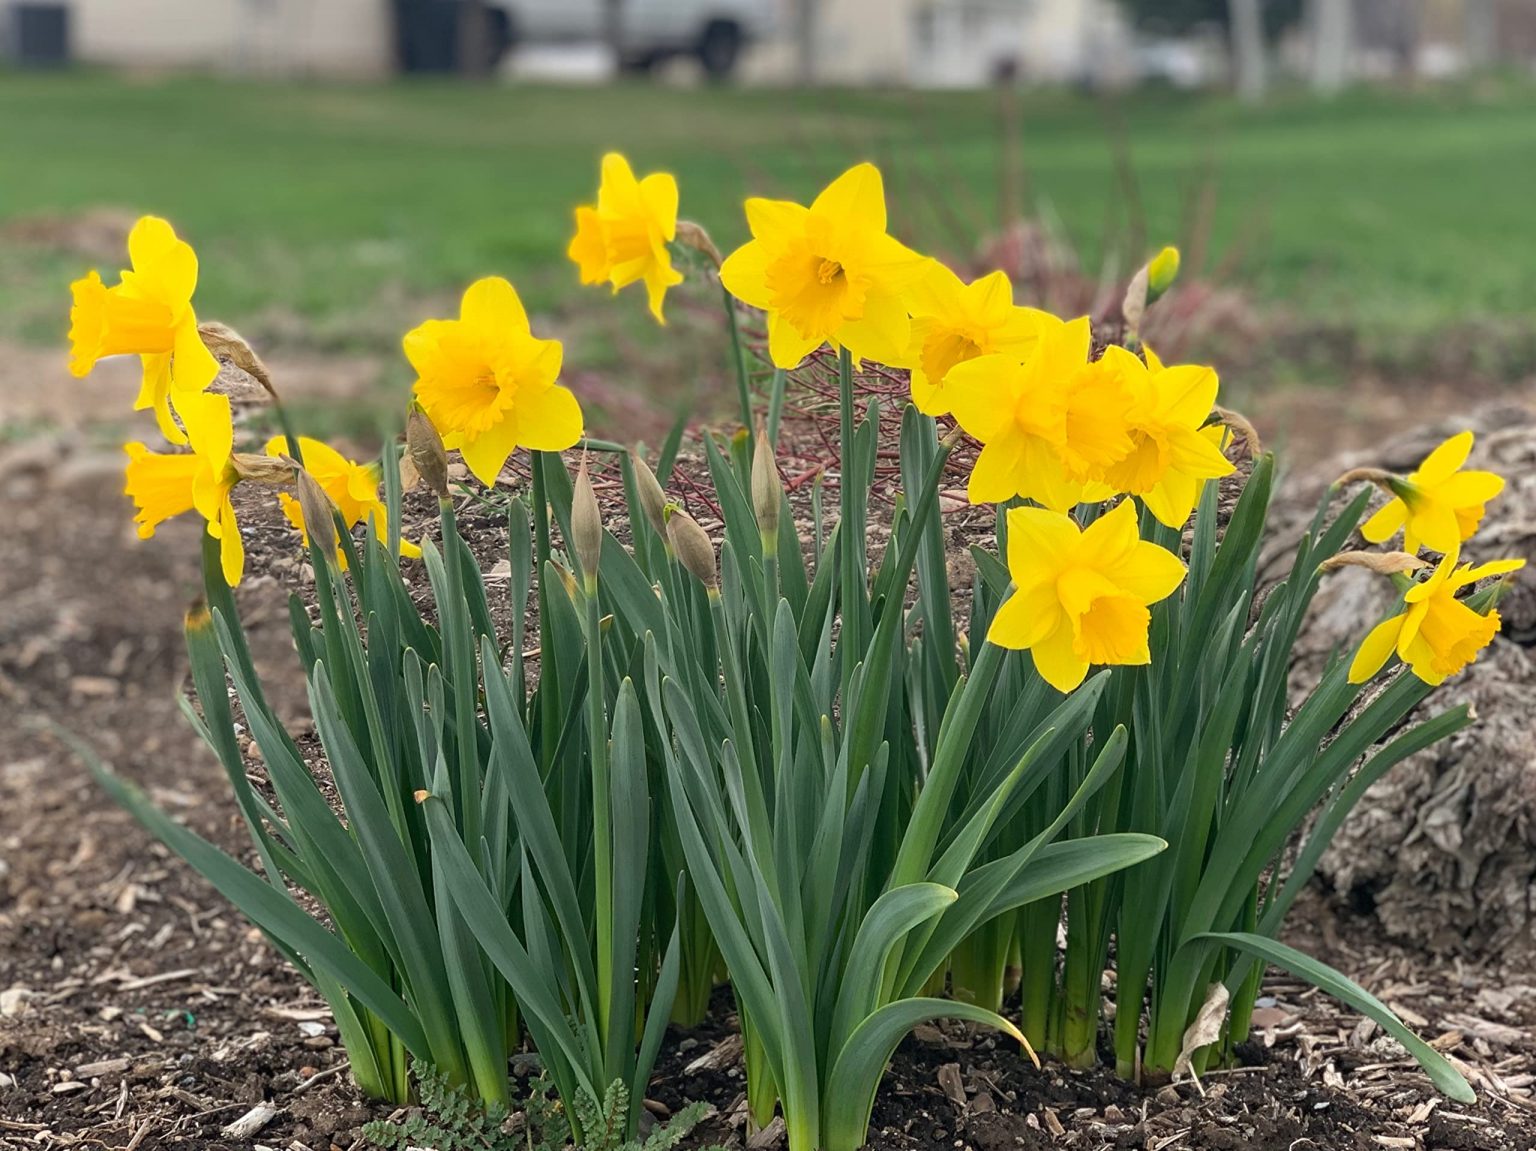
(920, 43)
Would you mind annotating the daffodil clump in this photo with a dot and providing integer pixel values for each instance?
(787, 757)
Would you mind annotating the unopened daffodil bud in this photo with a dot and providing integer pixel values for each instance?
(767, 494)
(653, 501)
(586, 527)
(318, 511)
(424, 448)
(1150, 281)
(693, 547)
(1162, 271)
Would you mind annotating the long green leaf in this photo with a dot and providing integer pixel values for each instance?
(858, 1067)
(272, 910)
(1447, 1080)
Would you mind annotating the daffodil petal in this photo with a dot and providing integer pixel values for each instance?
(994, 477)
(1172, 501)
(210, 429)
(1057, 661)
(1487, 570)
(1026, 618)
(1187, 393)
(745, 274)
(980, 394)
(492, 303)
(787, 346)
(164, 260)
(658, 192)
(883, 334)
(193, 366)
(549, 421)
(1445, 459)
(856, 198)
(1435, 527)
(486, 454)
(938, 291)
(1038, 538)
(1376, 649)
(231, 546)
(1470, 488)
(1197, 456)
(1386, 523)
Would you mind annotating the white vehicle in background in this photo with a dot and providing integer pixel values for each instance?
(651, 31)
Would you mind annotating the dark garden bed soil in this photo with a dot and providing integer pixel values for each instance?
(138, 1011)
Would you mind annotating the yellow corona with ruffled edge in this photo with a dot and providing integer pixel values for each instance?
(149, 314)
(164, 485)
(1437, 635)
(622, 239)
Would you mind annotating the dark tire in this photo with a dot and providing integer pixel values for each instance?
(720, 49)
(503, 36)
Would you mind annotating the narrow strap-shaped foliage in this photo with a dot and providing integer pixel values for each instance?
(1445, 1077)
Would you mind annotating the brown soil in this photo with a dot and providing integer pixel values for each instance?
(142, 1012)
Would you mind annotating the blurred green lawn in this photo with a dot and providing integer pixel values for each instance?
(334, 212)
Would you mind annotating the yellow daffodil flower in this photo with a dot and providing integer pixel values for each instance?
(1438, 505)
(488, 384)
(351, 486)
(953, 322)
(1049, 426)
(1437, 634)
(166, 485)
(828, 273)
(149, 314)
(1081, 596)
(1172, 452)
(623, 237)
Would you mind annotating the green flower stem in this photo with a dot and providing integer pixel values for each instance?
(602, 802)
(739, 360)
(776, 403)
(459, 654)
(851, 552)
(549, 707)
